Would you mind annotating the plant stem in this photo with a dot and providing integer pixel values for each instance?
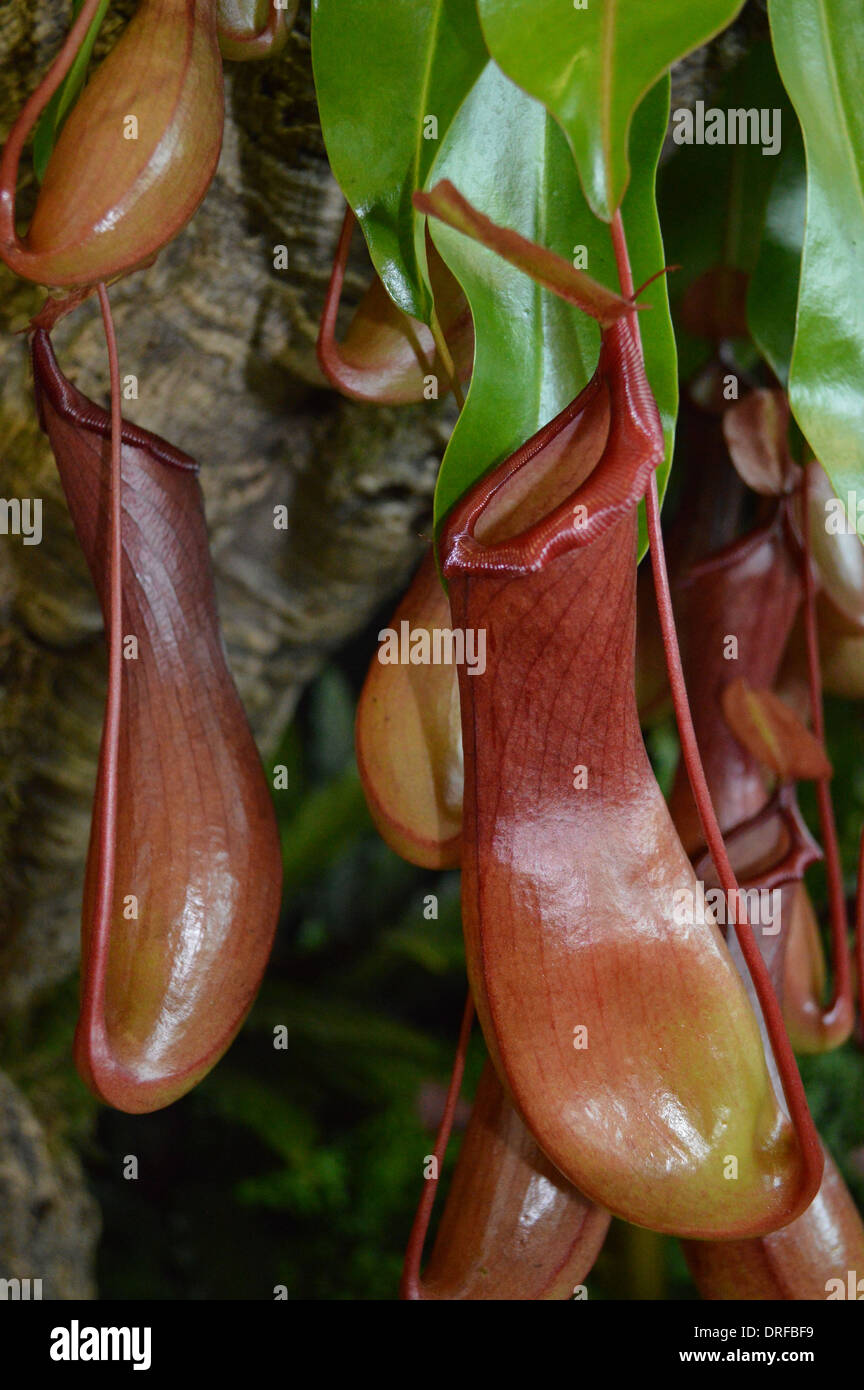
(411, 1285)
(645, 1270)
(841, 1006)
(108, 790)
(446, 358)
(793, 1088)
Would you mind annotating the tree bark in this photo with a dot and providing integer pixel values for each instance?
(222, 345)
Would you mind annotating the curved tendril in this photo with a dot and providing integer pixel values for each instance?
(327, 347)
(411, 1286)
(841, 1000)
(793, 1089)
(664, 270)
(443, 349)
(26, 120)
(111, 733)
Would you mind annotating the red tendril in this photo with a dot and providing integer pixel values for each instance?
(411, 1286)
(781, 1047)
(841, 1005)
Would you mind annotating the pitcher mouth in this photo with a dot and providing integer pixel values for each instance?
(747, 552)
(573, 480)
(769, 849)
(68, 402)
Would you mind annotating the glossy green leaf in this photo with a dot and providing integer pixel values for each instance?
(389, 76)
(591, 64)
(712, 198)
(534, 352)
(819, 44)
(55, 113)
(773, 297)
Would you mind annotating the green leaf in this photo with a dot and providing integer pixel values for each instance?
(382, 67)
(326, 1021)
(818, 44)
(592, 65)
(325, 821)
(313, 1178)
(773, 296)
(534, 352)
(51, 121)
(712, 197)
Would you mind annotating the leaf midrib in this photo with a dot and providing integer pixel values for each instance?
(424, 90)
(607, 47)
